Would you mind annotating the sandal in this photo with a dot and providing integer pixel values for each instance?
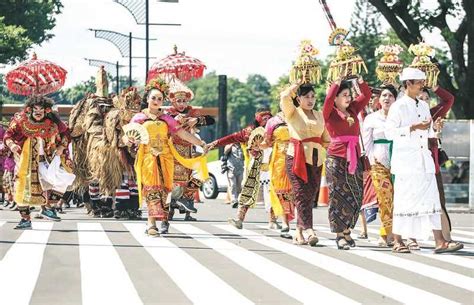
(400, 248)
(341, 243)
(313, 240)
(299, 242)
(152, 231)
(362, 235)
(413, 245)
(349, 240)
(452, 246)
(382, 243)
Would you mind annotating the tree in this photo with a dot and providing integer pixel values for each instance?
(74, 94)
(243, 99)
(25, 23)
(408, 19)
(13, 39)
(6, 97)
(260, 88)
(366, 35)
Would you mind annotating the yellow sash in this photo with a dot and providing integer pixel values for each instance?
(24, 174)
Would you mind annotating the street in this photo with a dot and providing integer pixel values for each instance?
(83, 260)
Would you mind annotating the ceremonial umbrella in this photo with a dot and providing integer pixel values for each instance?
(35, 76)
(177, 65)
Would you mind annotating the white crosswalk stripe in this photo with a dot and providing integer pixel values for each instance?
(101, 267)
(20, 268)
(467, 247)
(462, 232)
(278, 276)
(378, 283)
(200, 285)
(448, 258)
(104, 266)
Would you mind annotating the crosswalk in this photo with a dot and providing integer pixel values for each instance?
(90, 262)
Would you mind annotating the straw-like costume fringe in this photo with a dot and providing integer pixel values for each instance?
(115, 159)
(79, 143)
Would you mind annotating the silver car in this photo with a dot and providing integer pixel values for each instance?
(217, 182)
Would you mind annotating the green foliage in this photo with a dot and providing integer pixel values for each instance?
(13, 40)
(213, 155)
(6, 97)
(366, 35)
(243, 99)
(23, 24)
(205, 90)
(74, 94)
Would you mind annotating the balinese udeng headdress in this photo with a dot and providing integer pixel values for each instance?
(306, 66)
(178, 90)
(159, 84)
(423, 52)
(389, 65)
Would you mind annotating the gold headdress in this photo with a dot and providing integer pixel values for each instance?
(178, 90)
(306, 66)
(128, 99)
(423, 52)
(389, 66)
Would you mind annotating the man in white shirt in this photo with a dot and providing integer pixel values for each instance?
(417, 209)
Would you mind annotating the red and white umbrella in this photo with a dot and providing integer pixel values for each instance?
(35, 76)
(177, 65)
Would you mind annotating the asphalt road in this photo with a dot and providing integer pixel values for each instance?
(82, 260)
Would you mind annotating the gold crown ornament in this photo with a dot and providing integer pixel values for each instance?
(422, 61)
(346, 64)
(306, 66)
(389, 66)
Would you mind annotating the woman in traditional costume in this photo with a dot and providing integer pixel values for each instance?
(344, 174)
(36, 135)
(277, 137)
(378, 150)
(154, 164)
(305, 154)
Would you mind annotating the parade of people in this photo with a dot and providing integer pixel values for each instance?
(191, 186)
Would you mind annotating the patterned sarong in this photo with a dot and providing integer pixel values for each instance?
(345, 194)
(384, 191)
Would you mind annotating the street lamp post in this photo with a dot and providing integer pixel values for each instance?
(123, 43)
(109, 68)
(140, 10)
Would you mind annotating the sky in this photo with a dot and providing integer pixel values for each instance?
(236, 38)
(231, 37)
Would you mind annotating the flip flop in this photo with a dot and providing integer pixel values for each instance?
(451, 247)
(400, 248)
(413, 245)
(299, 242)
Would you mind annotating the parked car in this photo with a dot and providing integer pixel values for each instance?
(217, 182)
